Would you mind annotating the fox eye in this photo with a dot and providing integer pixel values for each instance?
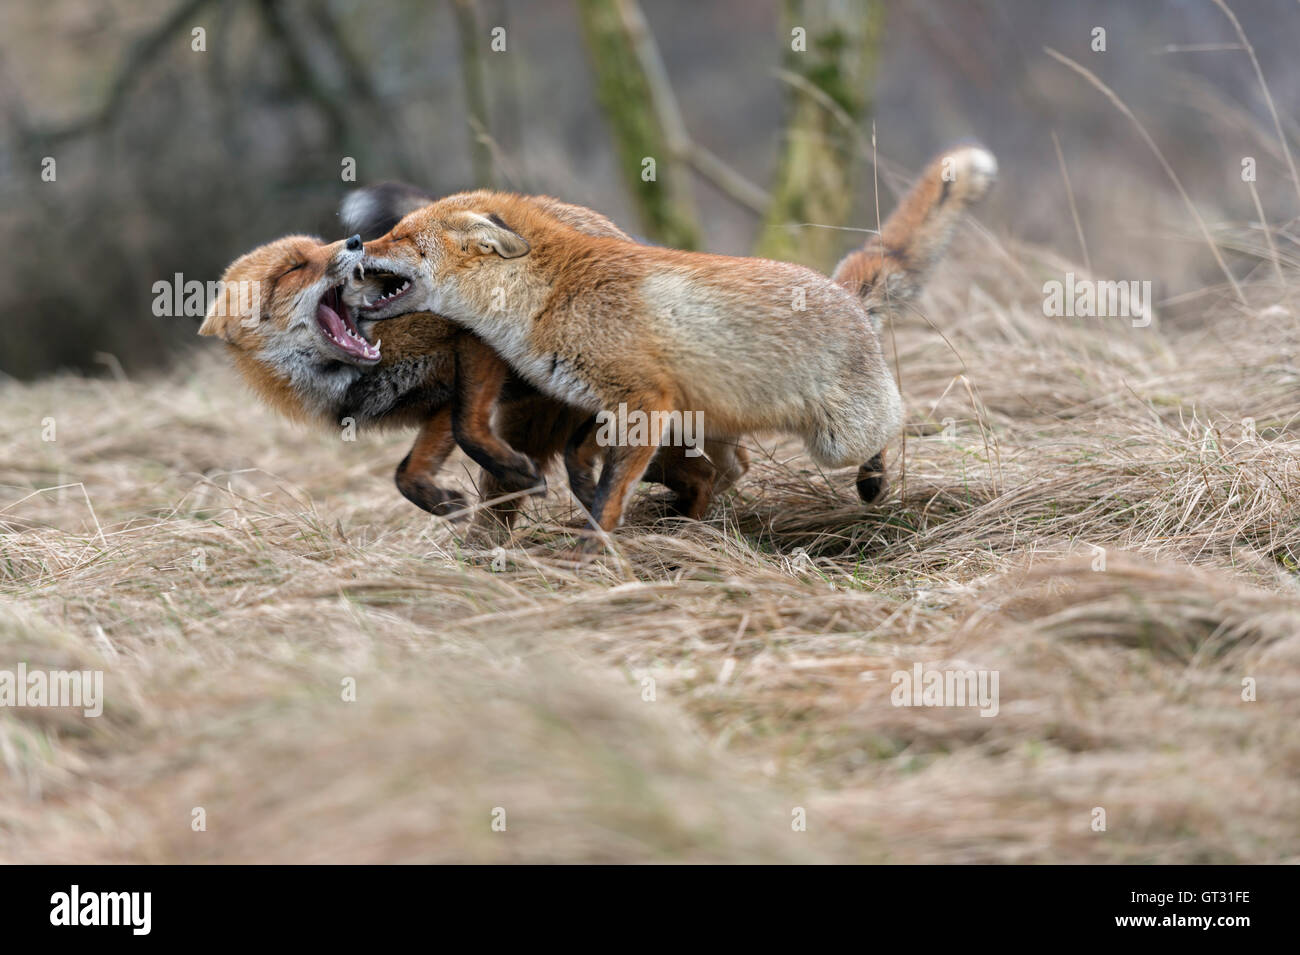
(293, 269)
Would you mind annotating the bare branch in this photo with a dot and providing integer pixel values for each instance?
(728, 181)
(831, 80)
(135, 63)
(643, 118)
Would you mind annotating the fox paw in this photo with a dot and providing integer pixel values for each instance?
(522, 475)
(585, 492)
(581, 554)
(872, 480)
(428, 496)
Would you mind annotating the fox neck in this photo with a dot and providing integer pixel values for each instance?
(319, 387)
(497, 304)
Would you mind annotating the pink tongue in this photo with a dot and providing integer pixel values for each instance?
(338, 330)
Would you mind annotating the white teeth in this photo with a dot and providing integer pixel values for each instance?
(394, 293)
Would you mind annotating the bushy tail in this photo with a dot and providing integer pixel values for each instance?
(374, 210)
(892, 267)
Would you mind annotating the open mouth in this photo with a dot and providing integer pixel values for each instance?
(336, 323)
(386, 287)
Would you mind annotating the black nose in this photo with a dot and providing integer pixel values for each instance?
(354, 244)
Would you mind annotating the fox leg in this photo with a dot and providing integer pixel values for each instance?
(414, 475)
(697, 480)
(493, 522)
(537, 428)
(729, 459)
(872, 479)
(480, 373)
(624, 466)
(580, 462)
(692, 479)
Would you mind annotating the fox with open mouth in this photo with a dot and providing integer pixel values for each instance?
(308, 345)
(601, 322)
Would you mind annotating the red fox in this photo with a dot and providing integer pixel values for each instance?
(312, 355)
(603, 323)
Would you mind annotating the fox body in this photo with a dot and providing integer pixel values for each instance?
(308, 347)
(600, 322)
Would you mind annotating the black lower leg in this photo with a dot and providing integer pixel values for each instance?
(423, 493)
(871, 479)
(578, 464)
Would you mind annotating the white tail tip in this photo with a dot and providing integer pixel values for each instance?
(976, 169)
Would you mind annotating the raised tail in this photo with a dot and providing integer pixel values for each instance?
(372, 211)
(891, 268)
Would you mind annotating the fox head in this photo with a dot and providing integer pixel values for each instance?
(295, 341)
(286, 296)
(452, 257)
(463, 256)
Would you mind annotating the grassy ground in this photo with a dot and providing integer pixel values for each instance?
(1105, 515)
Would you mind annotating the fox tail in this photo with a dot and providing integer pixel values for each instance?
(370, 212)
(891, 268)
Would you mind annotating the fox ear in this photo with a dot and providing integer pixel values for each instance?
(217, 322)
(225, 314)
(488, 234)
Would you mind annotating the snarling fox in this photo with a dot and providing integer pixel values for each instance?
(599, 322)
(310, 348)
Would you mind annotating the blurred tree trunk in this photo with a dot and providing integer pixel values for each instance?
(505, 83)
(471, 71)
(830, 91)
(652, 163)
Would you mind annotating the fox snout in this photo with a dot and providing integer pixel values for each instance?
(347, 258)
(372, 285)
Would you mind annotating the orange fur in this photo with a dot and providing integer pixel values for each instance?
(279, 352)
(600, 322)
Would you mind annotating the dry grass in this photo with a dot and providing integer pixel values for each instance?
(245, 568)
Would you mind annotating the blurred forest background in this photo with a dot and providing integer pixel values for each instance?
(176, 160)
